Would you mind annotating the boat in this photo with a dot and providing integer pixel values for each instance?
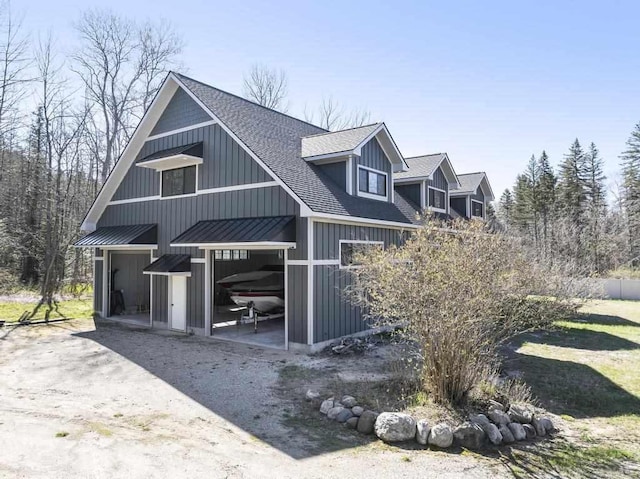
(264, 288)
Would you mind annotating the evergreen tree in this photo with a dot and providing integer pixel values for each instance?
(546, 197)
(532, 174)
(595, 204)
(631, 191)
(522, 208)
(505, 208)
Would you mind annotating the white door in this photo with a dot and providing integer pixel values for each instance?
(178, 303)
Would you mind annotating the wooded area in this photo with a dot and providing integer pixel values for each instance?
(567, 215)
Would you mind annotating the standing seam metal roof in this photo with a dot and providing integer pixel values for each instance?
(240, 230)
(121, 235)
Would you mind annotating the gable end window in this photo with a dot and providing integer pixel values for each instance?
(179, 181)
(349, 251)
(477, 209)
(437, 199)
(372, 183)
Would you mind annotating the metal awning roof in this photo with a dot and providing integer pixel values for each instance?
(263, 232)
(177, 157)
(177, 264)
(129, 235)
(192, 149)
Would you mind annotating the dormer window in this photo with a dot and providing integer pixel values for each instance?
(477, 209)
(372, 183)
(437, 199)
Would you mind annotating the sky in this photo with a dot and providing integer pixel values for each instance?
(490, 83)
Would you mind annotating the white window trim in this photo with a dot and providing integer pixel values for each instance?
(371, 195)
(195, 193)
(446, 200)
(341, 242)
(471, 211)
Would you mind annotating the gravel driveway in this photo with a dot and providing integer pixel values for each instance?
(84, 400)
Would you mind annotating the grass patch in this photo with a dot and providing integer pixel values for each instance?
(62, 434)
(71, 308)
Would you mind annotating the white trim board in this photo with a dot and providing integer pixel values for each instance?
(181, 130)
(373, 196)
(263, 245)
(446, 199)
(206, 191)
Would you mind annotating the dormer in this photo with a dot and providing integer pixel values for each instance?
(471, 198)
(427, 183)
(360, 160)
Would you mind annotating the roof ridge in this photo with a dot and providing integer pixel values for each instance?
(473, 173)
(422, 156)
(345, 129)
(250, 101)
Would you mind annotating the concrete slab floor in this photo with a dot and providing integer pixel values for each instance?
(270, 333)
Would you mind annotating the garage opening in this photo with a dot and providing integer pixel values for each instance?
(129, 288)
(249, 296)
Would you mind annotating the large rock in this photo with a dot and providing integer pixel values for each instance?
(311, 395)
(441, 435)
(357, 410)
(518, 431)
(348, 401)
(395, 427)
(495, 405)
(352, 422)
(499, 417)
(538, 426)
(326, 405)
(344, 415)
(520, 413)
(422, 431)
(493, 434)
(530, 431)
(507, 435)
(548, 425)
(479, 419)
(367, 422)
(334, 411)
(469, 435)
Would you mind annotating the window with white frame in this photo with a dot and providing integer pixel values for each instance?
(372, 183)
(437, 199)
(231, 254)
(179, 181)
(477, 209)
(349, 250)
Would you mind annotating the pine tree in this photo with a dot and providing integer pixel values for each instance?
(522, 208)
(505, 208)
(546, 198)
(595, 204)
(533, 176)
(631, 191)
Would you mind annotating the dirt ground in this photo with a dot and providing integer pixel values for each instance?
(79, 399)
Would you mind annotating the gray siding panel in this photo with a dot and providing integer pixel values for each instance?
(160, 299)
(328, 235)
(459, 204)
(411, 192)
(297, 303)
(372, 156)
(182, 111)
(337, 172)
(300, 251)
(479, 196)
(224, 164)
(439, 180)
(195, 297)
(97, 292)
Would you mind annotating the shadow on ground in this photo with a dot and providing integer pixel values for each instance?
(577, 338)
(604, 319)
(237, 382)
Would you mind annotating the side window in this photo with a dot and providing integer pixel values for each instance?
(371, 182)
(180, 181)
(477, 209)
(230, 255)
(437, 199)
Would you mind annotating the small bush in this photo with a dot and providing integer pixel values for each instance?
(459, 294)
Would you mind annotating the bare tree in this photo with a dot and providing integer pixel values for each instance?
(267, 87)
(122, 65)
(331, 116)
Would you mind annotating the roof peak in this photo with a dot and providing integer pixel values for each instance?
(343, 130)
(473, 173)
(424, 156)
(249, 101)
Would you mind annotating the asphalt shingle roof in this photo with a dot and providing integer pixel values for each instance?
(276, 139)
(469, 182)
(421, 166)
(336, 141)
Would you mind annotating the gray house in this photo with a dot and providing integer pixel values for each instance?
(212, 188)
(470, 199)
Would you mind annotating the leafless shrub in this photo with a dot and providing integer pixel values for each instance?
(459, 293)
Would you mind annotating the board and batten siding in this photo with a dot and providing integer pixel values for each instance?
(337, 172)
(459, 203)
(181, 111)
(97, 290)
(478, 196)
(297, 303)
(224, 163)
(334, 315)
(439, 180)
(410, 192)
